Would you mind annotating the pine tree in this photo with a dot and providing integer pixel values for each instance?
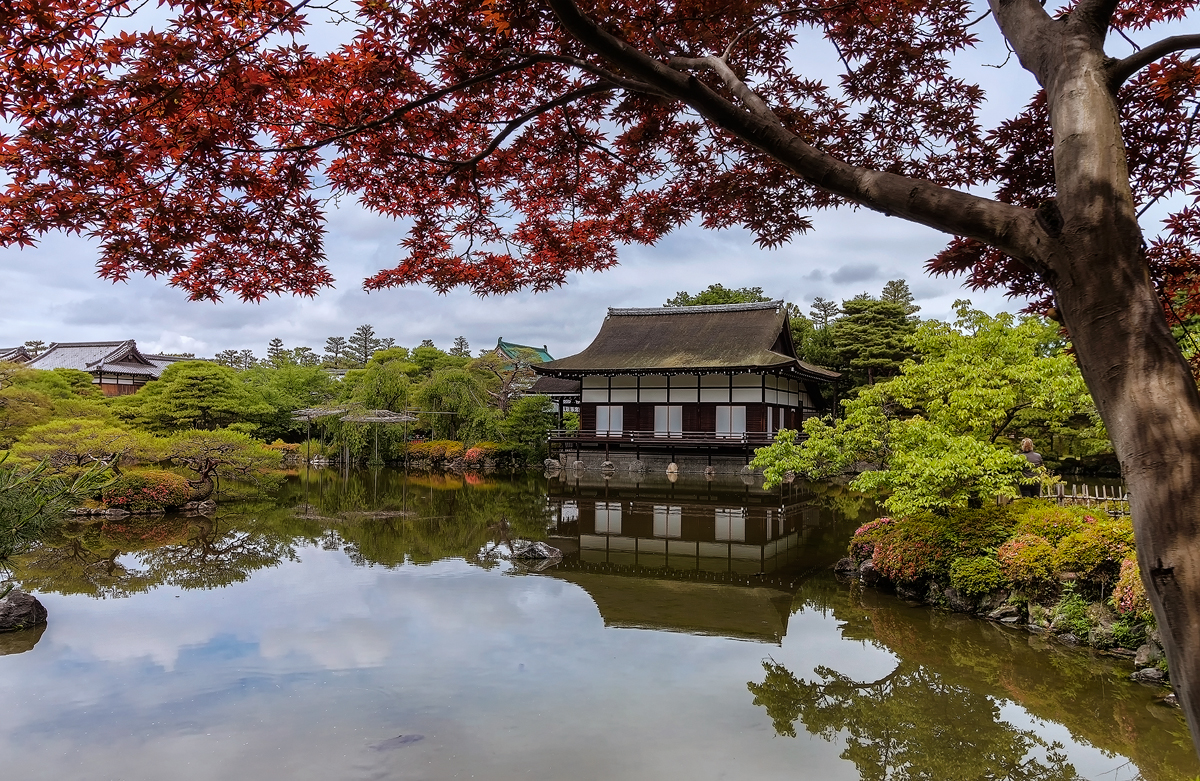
(35, 347)
(246, 360)
(461, 348)
(335, 348)
(871, 339)
(275, 351)
(227, 358)
(304, 356)
(387, 344)
(897, 292)
(427, 343)
(823, 312)
(362, 345)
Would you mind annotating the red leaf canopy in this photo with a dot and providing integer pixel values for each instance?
(201, 140)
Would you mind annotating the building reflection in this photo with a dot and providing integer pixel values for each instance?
(700, 556)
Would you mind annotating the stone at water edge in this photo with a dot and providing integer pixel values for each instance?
(534, 550)
(551, 463)
(19, 610)
(1146, 655)
(845, 566)
(867, 573)
(1004, 611)
(957, 602)
(1149, 675)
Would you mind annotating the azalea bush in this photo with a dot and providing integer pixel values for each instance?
(147, 490)
(1051, 522)
(1129, 594)
(1027, 560)
(1097, 551)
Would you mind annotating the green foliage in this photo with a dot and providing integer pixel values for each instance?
(32, 502)
(463, 394)
(718, 294)
(1051, 521)
(1027, 560)
(272, 394)
(976, 575)
(1096, 551)
(933, 434)
(529, 421)
(193, 395)
(72, 445)
(1071, 614)
(146, 491)
(223, 453)
(872, 339)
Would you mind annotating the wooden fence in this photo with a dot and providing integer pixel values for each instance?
(1112, 499)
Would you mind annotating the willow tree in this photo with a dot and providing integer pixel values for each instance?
(522, 140)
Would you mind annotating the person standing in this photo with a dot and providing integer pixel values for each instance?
(1034, 458)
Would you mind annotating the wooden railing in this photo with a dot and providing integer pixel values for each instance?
(755, 438)
(1112, 499)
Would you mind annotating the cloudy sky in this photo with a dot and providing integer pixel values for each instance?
(51, 292)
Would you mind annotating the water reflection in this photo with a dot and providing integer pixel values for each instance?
(348, 627)
(944, 710)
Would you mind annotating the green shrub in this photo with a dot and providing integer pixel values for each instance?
(1027, 559)
(1129, 594)
(1071, 614)
(976, 576)
(1050, 522)
(147, 490)
(1129, 632)
(1096, 551)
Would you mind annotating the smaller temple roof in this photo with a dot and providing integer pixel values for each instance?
(554, 386)
(101, 357)
(726, 337)
(14, 355)
(512, 350)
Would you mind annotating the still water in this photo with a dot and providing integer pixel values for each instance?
(359, 627)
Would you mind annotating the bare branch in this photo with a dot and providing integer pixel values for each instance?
(738, 87)
(1011, 229)
(1121, 70)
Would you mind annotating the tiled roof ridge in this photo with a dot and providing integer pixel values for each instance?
(693, 310)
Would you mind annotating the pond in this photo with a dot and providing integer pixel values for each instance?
(360, 626)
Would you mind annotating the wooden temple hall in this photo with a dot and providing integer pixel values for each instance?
(700, 378)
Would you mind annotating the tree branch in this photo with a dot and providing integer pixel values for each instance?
(1121, 70)
(738, 87)
(1031, 32)
(1009, 228)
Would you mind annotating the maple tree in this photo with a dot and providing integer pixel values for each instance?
(523, 140)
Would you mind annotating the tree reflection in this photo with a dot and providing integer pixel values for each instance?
(911, 724)
(116, 559)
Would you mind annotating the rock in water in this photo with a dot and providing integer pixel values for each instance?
(845, 567)
(21, 641)
(1149, 675)
(867, 573)
(535, 550)
(19, 610)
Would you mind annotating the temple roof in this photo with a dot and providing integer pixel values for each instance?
(514, 351)
(727, 337)
(554, 386)
(14, 355)
(101, 357)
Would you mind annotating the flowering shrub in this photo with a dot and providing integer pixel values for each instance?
(912, 551)
(1051, 523)
(976, 575)
(480, 452)
(1026, 559)
(437, 451)
(1129, 594)
(1097, 550)
(862, 545)
(287, 448)
(148, 490)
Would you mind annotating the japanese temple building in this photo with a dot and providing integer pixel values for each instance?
(118, 368)
(14, 355)
(703, 378)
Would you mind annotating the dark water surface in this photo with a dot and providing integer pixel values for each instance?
(356, 627)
